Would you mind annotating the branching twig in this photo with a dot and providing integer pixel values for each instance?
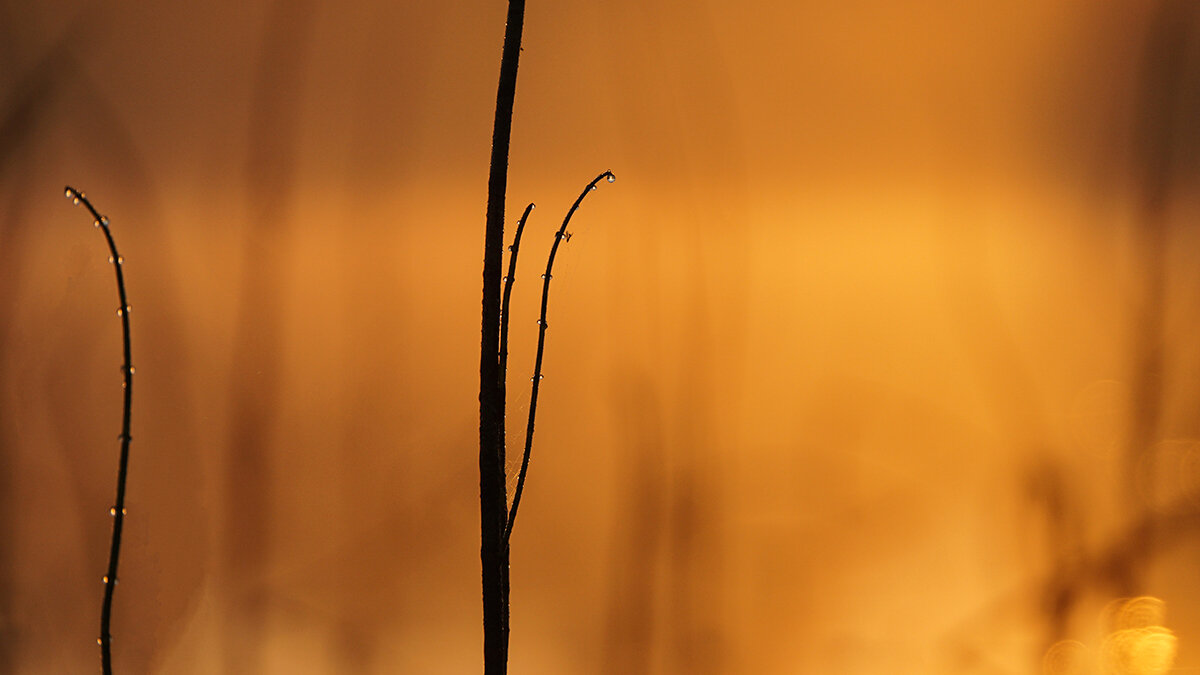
(118, 510)
(559, 237)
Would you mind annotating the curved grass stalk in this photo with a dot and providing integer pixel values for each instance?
(508, 285)
(118, 510)
(559, 237)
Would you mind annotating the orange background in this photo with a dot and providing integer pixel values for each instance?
(878, 357)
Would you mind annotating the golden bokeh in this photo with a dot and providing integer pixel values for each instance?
(1139, 651)
(1067, 657)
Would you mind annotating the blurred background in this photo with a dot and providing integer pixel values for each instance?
(878, 357)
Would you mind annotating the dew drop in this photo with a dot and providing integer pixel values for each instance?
(75, 200)
(547, 276)
(112, 511)
(104, 221)
(611, 178)
(69, 193)
(592, 188)
(120, 260)
(110, 260)
(120, 312)
(100, 641)
(105, 580)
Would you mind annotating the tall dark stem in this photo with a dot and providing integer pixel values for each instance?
(493, 498)
(559, 237)
(118, 509)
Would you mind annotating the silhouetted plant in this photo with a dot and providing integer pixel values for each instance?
(118, 510)
(496, 519)
(493, 497)
(559, 237)
(510, 513)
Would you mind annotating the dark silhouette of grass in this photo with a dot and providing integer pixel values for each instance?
(1164, 146)
(493, 493)
(559, 237)
(118, 509)
(495, 518)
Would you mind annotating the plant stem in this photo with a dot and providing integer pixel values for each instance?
(493, 498)
(508, 286)
(118, 510)
(559, 237)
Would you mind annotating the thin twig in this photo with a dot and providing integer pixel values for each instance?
(118, 510)
(508, 285)
(559, 237)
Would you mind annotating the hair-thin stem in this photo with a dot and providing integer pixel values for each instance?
(559, 237)
(508, 286)
(118, 510)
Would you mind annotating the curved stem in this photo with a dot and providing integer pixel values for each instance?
(559, 237)
(508, 285)
(118, 510)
